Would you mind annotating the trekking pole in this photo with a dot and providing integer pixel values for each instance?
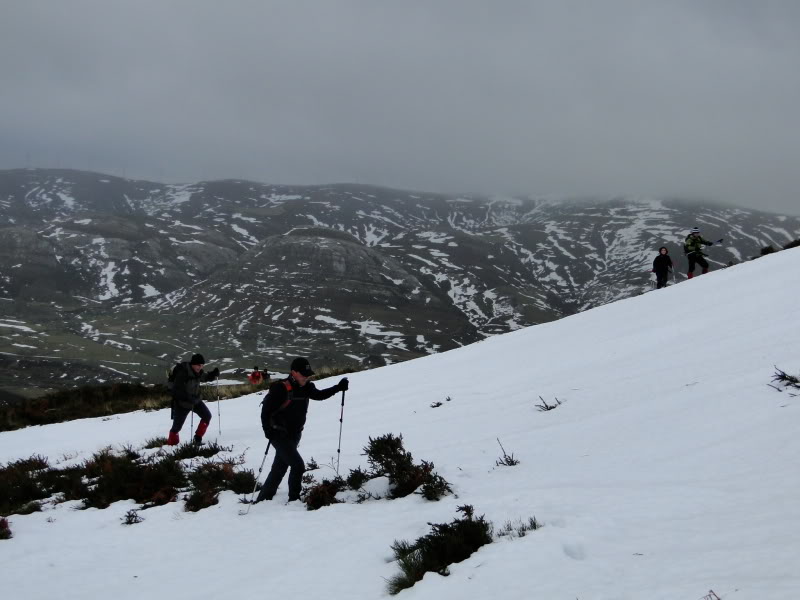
(261, 468)
(339, 449)
(219, 415)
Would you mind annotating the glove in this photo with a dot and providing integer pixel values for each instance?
(214, 374)
(343, 385)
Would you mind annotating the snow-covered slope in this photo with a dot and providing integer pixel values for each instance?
(669, 469)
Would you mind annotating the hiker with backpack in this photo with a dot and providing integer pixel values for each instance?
(185, 380)
(693, 249)
(662, 265)
(283, 415)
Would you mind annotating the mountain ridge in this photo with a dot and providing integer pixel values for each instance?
(103, 265)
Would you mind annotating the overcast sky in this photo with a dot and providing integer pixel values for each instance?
(659, 98)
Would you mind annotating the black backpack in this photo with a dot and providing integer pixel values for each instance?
(171, 373)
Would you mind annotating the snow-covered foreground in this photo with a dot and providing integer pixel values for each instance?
(670, 468)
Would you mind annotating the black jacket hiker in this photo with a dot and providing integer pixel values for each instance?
(187, 377)
(662, 265)
(283, 416)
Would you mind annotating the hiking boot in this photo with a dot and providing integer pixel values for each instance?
(198, 441)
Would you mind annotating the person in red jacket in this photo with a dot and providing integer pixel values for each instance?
(256, 377)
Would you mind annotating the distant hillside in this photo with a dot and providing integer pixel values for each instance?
(104, 278)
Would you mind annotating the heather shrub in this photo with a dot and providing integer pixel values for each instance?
(21, 485)
(211, 477)
(357, 478)
(189, 450)
(109, 476)
(544, 406)
(507, 460)
(132, 517)
(388, 458)
(82, 402)
(156, 442)
(518, 528)
(323, 494)
(114, 477)
(435, 487)
(782, 378)
(446, 544)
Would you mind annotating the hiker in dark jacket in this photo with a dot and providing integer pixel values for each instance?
(662, 265)
(283, 416)
(693, 249)
(186, 397)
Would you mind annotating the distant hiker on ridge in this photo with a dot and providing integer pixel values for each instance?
(186, 378)
(283, 416)
(662, 265)
(256, 377)
(693, 249)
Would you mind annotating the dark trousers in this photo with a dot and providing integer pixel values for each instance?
(661, 279)
(286, 457)
(179, 415)
(695, 258)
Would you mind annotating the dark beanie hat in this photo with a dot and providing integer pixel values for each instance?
(197, 359)
(302, 366)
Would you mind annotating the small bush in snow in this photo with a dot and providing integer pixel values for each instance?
(788, 381)
(506, 460)
(211, 477)
(132, 517)
(109, 476)
(518, 528)
(30, 507)
(357, 478)
(544, 406)
(435, 487)
(446, 544)
(5, 530)
(23, 484)
(200, 499)
(156, 442)
(312, 465)
(189, 450)
(124, 476)
(323, 494)
(388, 458)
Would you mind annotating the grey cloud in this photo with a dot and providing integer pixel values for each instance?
(559, 98)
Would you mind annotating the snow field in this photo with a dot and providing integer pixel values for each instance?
(669, 469)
